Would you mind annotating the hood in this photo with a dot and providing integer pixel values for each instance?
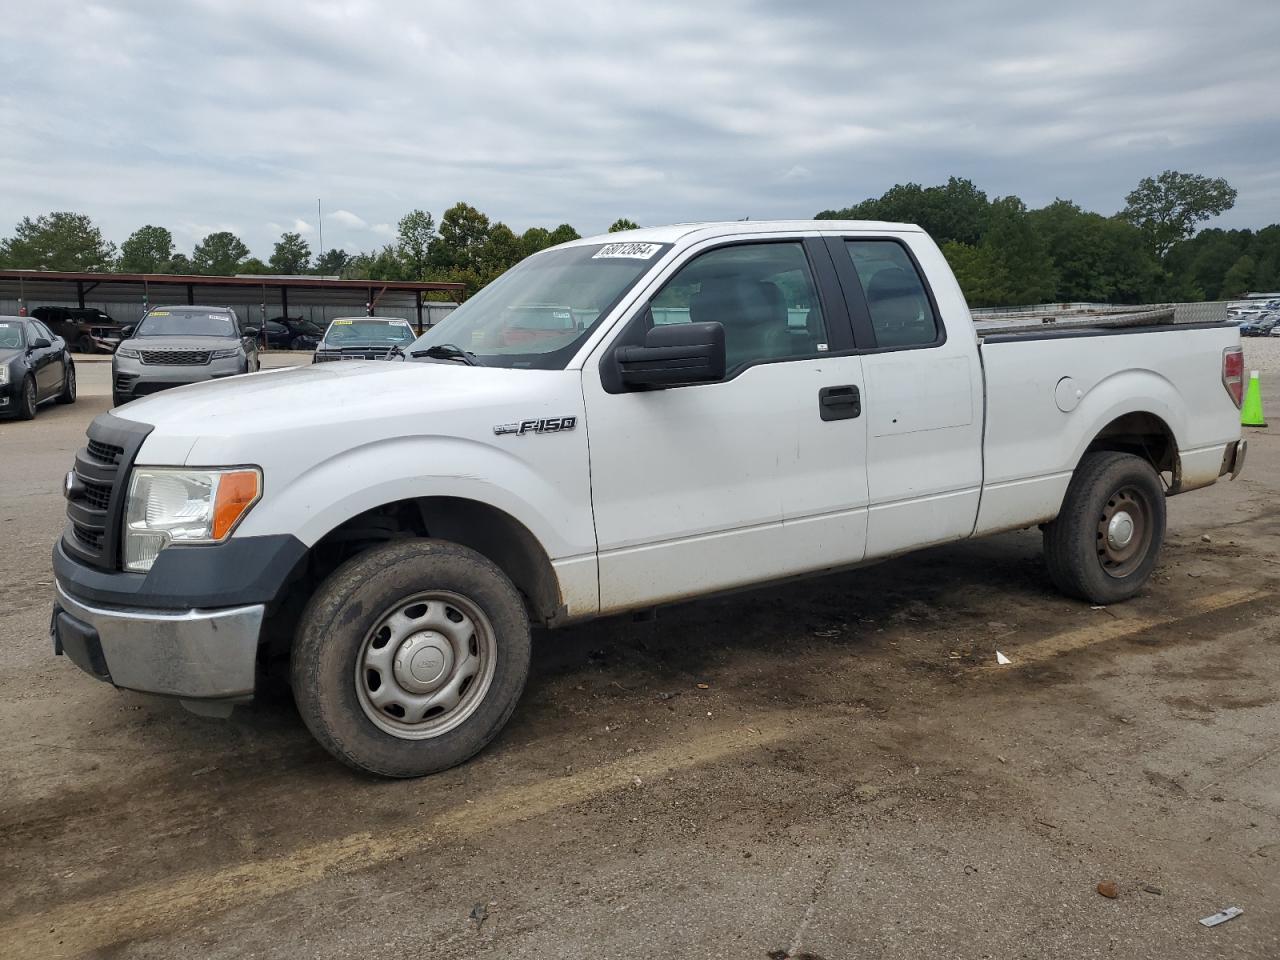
(9, 353)
(232, 416)
(181, 343)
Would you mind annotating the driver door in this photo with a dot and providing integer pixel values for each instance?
(749, 479)
(46, 361)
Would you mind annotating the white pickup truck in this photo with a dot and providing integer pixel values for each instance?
(616, 423)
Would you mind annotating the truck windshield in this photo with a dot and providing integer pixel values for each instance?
(537, 314)
(185, 323)
(357, 331)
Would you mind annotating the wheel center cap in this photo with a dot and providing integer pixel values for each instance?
(1120, 530)
(423, 662)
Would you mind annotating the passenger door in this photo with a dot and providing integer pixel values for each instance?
(924, 400)
(758, 476)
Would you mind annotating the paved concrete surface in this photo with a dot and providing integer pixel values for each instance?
(856, 780)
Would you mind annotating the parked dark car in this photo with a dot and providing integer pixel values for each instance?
(292, 333)
(35, 366)
(365, 338)
(175, 346)
(86, 329)
(1260, 325)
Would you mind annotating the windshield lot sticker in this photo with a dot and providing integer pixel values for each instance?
(633, 251)
(545, 425)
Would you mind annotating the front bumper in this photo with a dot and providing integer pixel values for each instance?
(196, 655)
(132, 378)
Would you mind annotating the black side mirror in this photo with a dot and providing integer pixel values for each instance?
(40, 343)
(126, 331)
(674, 354)
(251, 332)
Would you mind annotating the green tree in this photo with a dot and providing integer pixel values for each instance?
(622, 223)
(57, 241)
(1095, 258)
(464, 230)
(980, 273)
(535, 239)
(219, 254)
(415, 235)
(956, 210)
(1168, 207)
(333, 263)
(502, 251)
(291, 256)
(148, 250)
(1027, 268)
(181, 264)
(1240, 277)
(563, 234)
(255, 267)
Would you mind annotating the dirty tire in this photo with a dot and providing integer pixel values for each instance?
(27, 400)
(1083, 562)
(68, 393)
(334, 634)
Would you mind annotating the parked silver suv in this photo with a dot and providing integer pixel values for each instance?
(174, 346)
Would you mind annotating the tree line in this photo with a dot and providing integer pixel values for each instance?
(1002, 252)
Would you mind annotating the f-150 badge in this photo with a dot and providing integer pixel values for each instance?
(545, 425)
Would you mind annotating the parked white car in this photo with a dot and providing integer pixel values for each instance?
(714, 406)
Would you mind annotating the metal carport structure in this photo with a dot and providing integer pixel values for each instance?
(130, 294)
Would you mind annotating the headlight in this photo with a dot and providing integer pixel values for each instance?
(128, 352)
(224, 354)
(173, 505)
(4, 374)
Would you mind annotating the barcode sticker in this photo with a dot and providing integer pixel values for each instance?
(632, 251)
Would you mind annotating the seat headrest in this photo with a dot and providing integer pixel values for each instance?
(892, 282)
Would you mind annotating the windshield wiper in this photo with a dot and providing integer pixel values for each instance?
(449, 351)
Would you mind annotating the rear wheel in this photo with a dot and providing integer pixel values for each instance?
(27, 400)
(68, 394)
(410, 658)
(1105, 542)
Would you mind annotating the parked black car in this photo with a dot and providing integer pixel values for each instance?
(86, 329)
(292, 333)
(35, 366)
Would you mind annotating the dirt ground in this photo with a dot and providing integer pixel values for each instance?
(836, 769)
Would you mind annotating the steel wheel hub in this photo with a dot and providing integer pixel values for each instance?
(1124, 532)
(1120, 530)
(426, 665)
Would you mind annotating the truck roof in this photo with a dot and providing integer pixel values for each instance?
(710, 230)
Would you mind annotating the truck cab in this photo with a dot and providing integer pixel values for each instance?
(703, 408)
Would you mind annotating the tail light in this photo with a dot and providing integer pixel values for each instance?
(1233, 373)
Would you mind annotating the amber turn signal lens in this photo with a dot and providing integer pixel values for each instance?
(237, 492)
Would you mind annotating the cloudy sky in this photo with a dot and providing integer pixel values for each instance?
(237, 115)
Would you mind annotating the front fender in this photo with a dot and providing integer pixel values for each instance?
(549, 502)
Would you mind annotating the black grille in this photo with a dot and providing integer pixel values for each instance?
(89, 537)
(104, 452)
(176, 358)
(95, 504)
(97, 495)
(355, 353)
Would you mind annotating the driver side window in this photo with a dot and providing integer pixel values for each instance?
(762, 293)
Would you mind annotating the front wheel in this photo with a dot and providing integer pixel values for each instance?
(27, 402)
(1105, 541)
(68, 394)
(410, 658)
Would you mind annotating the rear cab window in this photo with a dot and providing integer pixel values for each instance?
(898, 303)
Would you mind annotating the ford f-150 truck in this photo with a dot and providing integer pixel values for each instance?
(720, 406)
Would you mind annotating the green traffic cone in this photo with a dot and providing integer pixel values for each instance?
(1251, 410)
